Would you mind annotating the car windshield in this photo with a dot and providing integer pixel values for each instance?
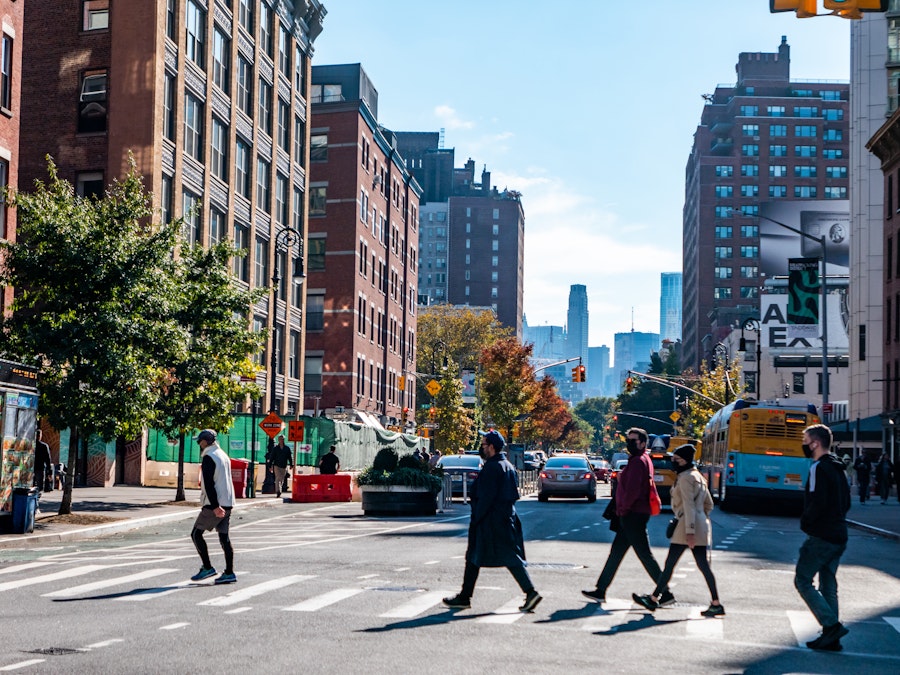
(621, 464)
(566, 463)
(661, 462)
(460, 461)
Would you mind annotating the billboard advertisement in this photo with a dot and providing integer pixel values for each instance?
(778, 245)
(777, 332)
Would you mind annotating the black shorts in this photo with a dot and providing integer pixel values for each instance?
(208, 520)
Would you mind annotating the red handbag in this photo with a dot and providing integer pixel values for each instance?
(655, 502)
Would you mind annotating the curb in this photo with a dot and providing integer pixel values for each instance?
(23, 541)
(887, 534)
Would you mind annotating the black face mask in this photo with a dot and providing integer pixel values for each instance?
(631, 445)
(807, 451)
(680, 468)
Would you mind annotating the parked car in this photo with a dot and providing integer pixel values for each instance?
(567, 476)
(614, 475)
(602, 469)
(461, 468)
(532, 462)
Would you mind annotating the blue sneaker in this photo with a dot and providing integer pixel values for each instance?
(204, 573)
(226, 578)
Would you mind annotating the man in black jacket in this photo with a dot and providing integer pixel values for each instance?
(825, 505)
(863, 475)
(495, 533)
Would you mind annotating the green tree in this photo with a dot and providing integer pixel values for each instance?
(598, 412)
(204, 380)
(508, 386)
(456, 425)
(719, 384)
(96, 296)
(549, 417)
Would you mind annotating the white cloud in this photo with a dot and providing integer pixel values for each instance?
(450, 119)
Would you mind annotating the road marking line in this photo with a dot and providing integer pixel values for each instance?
(603, 618)
(21, 664)
(431, 562)
(238, 610)
(320, 601)
(506, 613)
(243, 594)
(804, 625)
(893, 621)
(703, 628)
(55, 576)
(369, 576)
(173, 626)
(23, 567)
(105, 643)
(415, 606)
(402, 569)
(87, 588)
(151, 593)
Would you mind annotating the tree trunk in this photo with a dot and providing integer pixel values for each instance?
(65, 504)
(179, 490)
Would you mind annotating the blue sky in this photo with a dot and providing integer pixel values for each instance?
(585, 107)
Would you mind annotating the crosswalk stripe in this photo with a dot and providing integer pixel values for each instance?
(23, 567)
(893, 621)
(244, 594)
(152, 593)
(416, 606)
(21, 664)
(703, 628)
(804, 625)
(320, 601)
(106, 583)
(54, 576)
(506, 613)
(606, 616)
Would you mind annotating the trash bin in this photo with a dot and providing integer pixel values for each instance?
(24, 506)
(239, 468)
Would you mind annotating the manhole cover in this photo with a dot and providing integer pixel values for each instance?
(554, 566)
(55, 651)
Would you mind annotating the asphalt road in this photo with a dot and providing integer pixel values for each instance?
(322, 589)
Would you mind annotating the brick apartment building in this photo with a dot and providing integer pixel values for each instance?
(766, 139)
(11, 25)
(363, 243)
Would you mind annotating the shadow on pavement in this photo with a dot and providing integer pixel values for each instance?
(448, 616)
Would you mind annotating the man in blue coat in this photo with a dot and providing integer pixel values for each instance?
(495, 532)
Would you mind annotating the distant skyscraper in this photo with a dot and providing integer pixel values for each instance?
(577, 318)
(549, 342)
(632, 352)
(598, 372)
(670, 306)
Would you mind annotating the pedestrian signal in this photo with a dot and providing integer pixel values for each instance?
(852, 9)
(803, 8)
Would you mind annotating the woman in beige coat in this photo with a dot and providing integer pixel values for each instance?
(691, 504)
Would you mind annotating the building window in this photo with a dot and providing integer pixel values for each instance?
(750, 231)
(318, 148)
(749, 292)
(777, 171)
(806, 111)
(169, 107)
(749, 272)
(265, 28)
(832, 153)
(317, 201)
(195, 30)
(284, 51)
(835, 171)
(281, 199)
(299, 138)
(242, 244)
(216, 226)
(92, 107)
(805, 191)
(722, 272)
(193, 127)
(312, 374)
(750, 210)
(265, 107)
(798, 385)
(832, 192)
(315, 254)
(749, 110)
(221, 61)
(724, 252)
(6, 71)
(722, 293)
(261, 263)
(284, 126)
(723, 212)
(259, 326)
(165, 199)
(724, 170)
(219, 150)
(724, 231)
(297, 207)
(495, 261)
(778, 130)
(170, 20)
(750, 150)
(749, 169)
(805, 150)
(245, 86)
(775, 110)
(805, 131)
(315, 311)
(778, 190)
(193, 220)
(95, 14)
(749, 251)
(299, 71)
(833, 114)
(807, 171)
(242, 168)
(723, 191)
(778, 150)
(294, 355)
(263, 185)
(749, 190)
(89, 184)
(750, 129)
(245, 14)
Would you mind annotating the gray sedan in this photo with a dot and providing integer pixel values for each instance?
(567, 476)
(461, 468)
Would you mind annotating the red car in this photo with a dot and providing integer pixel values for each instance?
(602, 469)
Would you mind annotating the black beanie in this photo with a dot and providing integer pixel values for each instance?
(686, 452)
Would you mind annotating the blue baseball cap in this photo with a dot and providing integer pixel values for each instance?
(495, 438)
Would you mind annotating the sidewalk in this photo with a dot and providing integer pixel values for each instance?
(102, 511)
(98, 511)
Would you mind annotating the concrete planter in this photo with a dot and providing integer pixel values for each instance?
(397, 500)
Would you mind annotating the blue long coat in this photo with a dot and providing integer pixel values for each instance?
(495, 532)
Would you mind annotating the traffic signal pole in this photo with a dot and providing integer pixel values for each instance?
(674, 385)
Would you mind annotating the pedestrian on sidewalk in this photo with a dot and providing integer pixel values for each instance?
(633, 509)
(281, 459)
(495, 531)
(43, 463)
(863, 466)
(216, 502)
(329, 464)
(691, 504)
(825, 504)
(884, 471)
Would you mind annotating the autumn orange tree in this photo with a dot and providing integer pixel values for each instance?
(508, 387)
(549, 417)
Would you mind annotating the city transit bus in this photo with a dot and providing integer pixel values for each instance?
(752, 451)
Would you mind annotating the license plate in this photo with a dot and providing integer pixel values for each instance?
(456, 479)
(564, 477)
(658, 478)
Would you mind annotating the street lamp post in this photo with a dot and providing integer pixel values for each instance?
(753, 325)
(823, 318)
(285, 240)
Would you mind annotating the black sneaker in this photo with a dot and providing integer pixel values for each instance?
(830, 635)
(226, 578)
(714, 610)
(595, 595)
(204, 573)
(532, 598)
(833, 647)
(666, 599)
(645, 601)
(457, 602)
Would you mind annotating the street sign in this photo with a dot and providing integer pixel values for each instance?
(430, 425)
(675, 416)
(295, 431)
(272, 425)
(827, 408)
(433, 387)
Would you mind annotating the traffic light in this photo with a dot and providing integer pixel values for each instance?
(852, 9)
(432, 412)
(582, 374)
(629, 384)
(575, 374)
(803, 8)
(405, 415)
